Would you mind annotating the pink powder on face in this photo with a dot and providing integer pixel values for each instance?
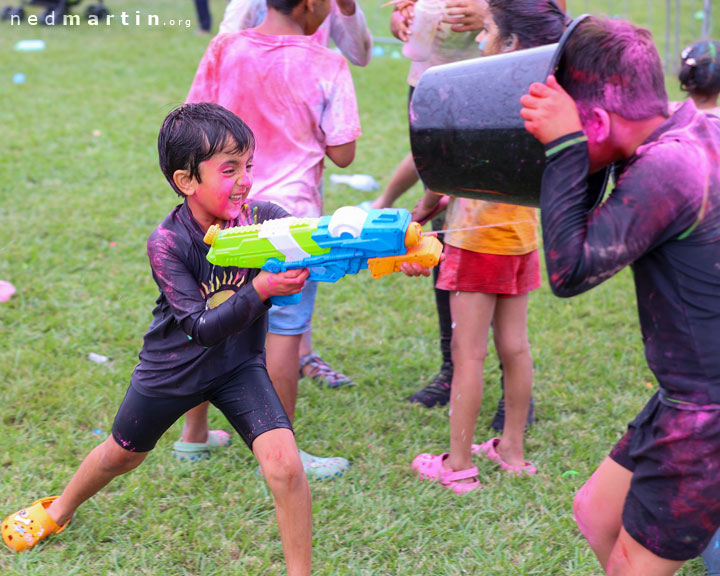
(6, 291)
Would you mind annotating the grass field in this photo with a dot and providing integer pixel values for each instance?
(80, 191)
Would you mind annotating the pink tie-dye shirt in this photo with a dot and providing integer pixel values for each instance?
(296, 96)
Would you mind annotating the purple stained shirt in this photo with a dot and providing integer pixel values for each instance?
(208, 319)
(663, 220)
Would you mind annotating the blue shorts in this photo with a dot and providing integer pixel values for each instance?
(296, 318)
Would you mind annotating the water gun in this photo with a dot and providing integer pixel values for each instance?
(350, 240)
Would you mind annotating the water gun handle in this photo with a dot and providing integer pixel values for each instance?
(286, 300)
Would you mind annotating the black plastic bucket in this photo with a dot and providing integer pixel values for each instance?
(466, 133)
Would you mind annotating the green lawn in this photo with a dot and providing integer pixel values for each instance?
(80, 191)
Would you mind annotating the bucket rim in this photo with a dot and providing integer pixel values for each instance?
(564, 39)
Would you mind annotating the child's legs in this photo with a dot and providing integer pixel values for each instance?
(105, 462)
(472, 313)
(287, 324)
(250, 403)
(279, 459)
(139, 423)
(598, 507)
(195, 428)
(511, 341)
(630, 558)
(283, 364)
(671, 509)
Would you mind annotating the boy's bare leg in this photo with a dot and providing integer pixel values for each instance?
(630, 558)
(306, 343)
(105, 462)
(196, 429)
(511, 341)
(283, 365)
(401, 181)
(279, 459)
(472, 313)
(598, 507)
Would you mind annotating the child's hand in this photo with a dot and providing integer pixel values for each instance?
(347, 7)
(401, 19)
(463, 15)
(549, 111)
(414, 269)
(281, 284)
(429, 206)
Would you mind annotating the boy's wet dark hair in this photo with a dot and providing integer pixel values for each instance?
(700, 72)
(193, 133)
(614, 65)
(284, 6)
(534, 22)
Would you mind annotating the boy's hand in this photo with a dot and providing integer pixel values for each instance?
(549, 111)
(281, 284)
(464, 15)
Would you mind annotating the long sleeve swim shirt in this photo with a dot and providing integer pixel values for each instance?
(208, 319)
(663, 220)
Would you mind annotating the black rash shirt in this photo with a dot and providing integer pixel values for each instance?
(208, 319)
(663, 220)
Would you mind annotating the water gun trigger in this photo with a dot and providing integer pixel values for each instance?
(426, 253)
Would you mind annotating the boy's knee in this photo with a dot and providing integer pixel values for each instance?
(286, 471)
(115, 458)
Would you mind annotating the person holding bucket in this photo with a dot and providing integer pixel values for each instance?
(652, 504)
(489, 272)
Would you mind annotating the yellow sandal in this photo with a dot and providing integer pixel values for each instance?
(22, 530)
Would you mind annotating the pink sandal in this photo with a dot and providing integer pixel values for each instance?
(489, 450)
(430, 467)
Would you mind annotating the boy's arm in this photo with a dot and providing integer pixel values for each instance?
(206, 326)
(342, 155)
(340, 121)
(349, 31)
(652, 201)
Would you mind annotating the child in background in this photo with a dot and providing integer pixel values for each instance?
(653, 503)
(489, 273)
(202, 7)
(206, 339)
(700, 76)
(347, 27)
(453, 42)
(299, 100)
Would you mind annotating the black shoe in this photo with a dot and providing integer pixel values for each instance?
(498, 422)
(437, 393)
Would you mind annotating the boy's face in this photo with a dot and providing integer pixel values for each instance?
(225, 182)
